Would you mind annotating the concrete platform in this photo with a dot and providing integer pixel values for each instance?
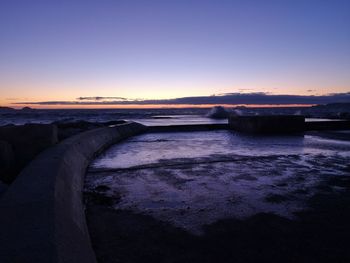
(267, 124)
(188, 127)
(327, 125)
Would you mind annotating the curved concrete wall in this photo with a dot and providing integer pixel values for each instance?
(41, 215)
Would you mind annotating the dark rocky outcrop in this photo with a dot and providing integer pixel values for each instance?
(68, 129)
(3, 188)
(329, 111)
(20, 144)
(7, 160)
(218, 112)
(5, 109)
(27, 109)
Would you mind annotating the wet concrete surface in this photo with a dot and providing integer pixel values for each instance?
(221, 197)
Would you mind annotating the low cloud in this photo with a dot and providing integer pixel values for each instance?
(101, 98)
(227, 98)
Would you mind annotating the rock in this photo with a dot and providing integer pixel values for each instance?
(27, 141)
(3, 188)
(6, 109)
(330, 111)
(83, 125)
(236, 112)
(65, 133)
(27, 109)
(218, 112)
(68, 129)
(344, 115)
(7, 161)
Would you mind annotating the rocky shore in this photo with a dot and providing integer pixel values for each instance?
(21, 144)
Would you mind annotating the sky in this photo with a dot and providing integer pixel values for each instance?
(59, 51)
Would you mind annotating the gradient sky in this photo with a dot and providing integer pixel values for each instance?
(61, 50)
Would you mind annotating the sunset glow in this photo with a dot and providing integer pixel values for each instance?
(162, 50)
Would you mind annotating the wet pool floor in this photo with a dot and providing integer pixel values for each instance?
(194, 179)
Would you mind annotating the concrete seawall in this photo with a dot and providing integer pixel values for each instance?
(327, 125)
(271, 124)
(42, 217)
(267, 124)
(189, 127)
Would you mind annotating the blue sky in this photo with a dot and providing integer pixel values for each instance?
(60, 50)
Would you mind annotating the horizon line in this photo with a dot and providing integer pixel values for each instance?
(157, 106)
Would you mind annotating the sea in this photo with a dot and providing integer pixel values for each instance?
(145, 116)
(160, 116)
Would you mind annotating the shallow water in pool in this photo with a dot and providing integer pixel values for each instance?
(193, 179)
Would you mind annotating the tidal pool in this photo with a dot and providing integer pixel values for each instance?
(196, 178)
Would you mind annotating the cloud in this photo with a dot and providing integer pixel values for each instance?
(97, 98)
(228, 98)
(244, 90)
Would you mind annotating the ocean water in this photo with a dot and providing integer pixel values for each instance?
(144, 116)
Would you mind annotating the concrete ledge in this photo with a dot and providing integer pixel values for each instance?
(189, 127)
(327, 125)
(42, 217)
(267, 124)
